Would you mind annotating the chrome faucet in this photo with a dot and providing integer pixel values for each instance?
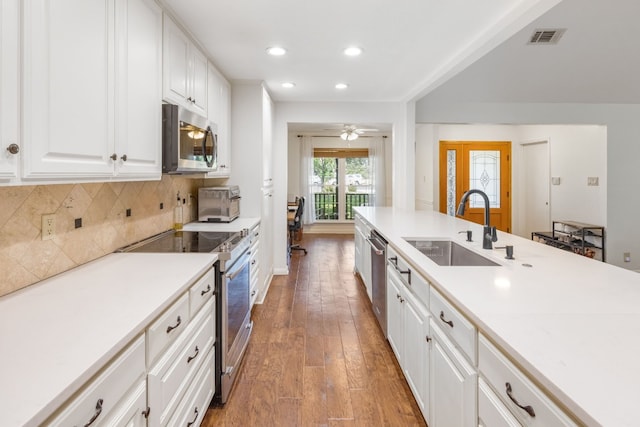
(489, 234)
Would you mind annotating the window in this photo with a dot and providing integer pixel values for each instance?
(341, 180)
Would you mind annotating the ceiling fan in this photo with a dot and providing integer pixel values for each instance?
(351, 132)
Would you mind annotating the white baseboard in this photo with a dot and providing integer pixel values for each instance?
(325, 228)
(281, 271)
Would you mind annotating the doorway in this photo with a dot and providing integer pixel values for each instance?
(482, 165)
(535, 178)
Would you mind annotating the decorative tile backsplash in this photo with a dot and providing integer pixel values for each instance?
(26, 259)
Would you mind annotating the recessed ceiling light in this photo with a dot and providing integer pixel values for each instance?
(288, 85)
(353, 51)
(276, 51)
(342, 86)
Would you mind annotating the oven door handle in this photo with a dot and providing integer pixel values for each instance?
(232, 275)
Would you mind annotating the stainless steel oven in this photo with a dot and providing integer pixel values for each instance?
(235, 326)
(233, 284)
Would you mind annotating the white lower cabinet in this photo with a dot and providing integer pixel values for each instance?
(170, 379)
(363, 253)
(102, 397)
(524, 400)
(453, 384)
(491, 411)
(408, 334)
(193, 407)
(133, 411)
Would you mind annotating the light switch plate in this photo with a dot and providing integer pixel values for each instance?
(555, 180)
(593, 181)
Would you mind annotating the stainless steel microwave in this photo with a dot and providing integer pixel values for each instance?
(189, 141)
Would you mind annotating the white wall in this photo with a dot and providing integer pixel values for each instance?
(622, 152)
(576, 152)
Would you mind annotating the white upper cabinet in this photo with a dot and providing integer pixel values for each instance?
(68, 82)
(219, 106)
(185, 70)
(9, 89)
(77, 73)
(139, 95)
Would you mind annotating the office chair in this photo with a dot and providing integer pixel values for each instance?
(295, 226)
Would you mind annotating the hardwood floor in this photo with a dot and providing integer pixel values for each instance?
(317, 356)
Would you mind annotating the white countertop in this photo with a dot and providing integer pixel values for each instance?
(572, 322)
(236, 225)
(56, 334)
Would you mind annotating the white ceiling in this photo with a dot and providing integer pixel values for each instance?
(463, 50)
(409, 45)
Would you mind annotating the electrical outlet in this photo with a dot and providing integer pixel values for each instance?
(48, 226)
(627, 257)
(593, 181)
(189, 198)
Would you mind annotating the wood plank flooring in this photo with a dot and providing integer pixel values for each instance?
(317, 356)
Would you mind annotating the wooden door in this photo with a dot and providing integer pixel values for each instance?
(481, 165)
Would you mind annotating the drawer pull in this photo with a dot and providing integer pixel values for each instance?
(205, 291)
(448, 322)
(394, 261)
(97, 414)
(190, 358)
(171, 328)
(194, 418)
(146, 412)
(528, 409)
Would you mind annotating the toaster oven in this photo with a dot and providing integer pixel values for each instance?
(218, 204)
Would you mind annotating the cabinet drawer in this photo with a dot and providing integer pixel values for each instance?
(169, 379)
(412, 280)
(201, 291)
(132, 410)
(164, 330)
(191, 410)
(104, 393)
(498, 372)
(461, 331)
(491, 410)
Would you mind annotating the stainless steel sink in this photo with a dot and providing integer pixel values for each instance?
(449, 253)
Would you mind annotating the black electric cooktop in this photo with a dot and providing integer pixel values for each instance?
(182, 241)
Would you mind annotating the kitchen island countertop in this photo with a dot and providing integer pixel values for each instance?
(572, 323)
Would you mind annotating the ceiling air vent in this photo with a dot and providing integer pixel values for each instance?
(546, 36)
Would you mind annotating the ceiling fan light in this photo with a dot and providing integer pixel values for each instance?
(344, 136)
(352, 136)
(276, 51)
(353, 51)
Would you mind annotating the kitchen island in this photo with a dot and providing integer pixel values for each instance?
(568, 322)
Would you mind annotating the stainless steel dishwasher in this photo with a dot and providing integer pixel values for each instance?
(379, 278)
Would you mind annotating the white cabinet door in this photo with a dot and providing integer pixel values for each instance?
(9, 89)
(453, 385)
(185, 70)
(395, 317)
(175, 63)
(68, 123)
(133, 410)
(218, 107)
(267, 143)
(417, 352)
(198, 81)
(139, 96)
(266, 243)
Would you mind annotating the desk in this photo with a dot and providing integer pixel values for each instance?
(292, 208)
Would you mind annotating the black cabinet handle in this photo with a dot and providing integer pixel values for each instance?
(448, 322)
(97, 414)
(146, 412)
(528, 409)
(194, 418)
(171, 328)
(205, 291)
(190, 358)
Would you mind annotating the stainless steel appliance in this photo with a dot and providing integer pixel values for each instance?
(233, 284)
(218, 204)
(379, 278)
(189, 141)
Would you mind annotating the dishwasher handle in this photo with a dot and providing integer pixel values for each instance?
(375, 248)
